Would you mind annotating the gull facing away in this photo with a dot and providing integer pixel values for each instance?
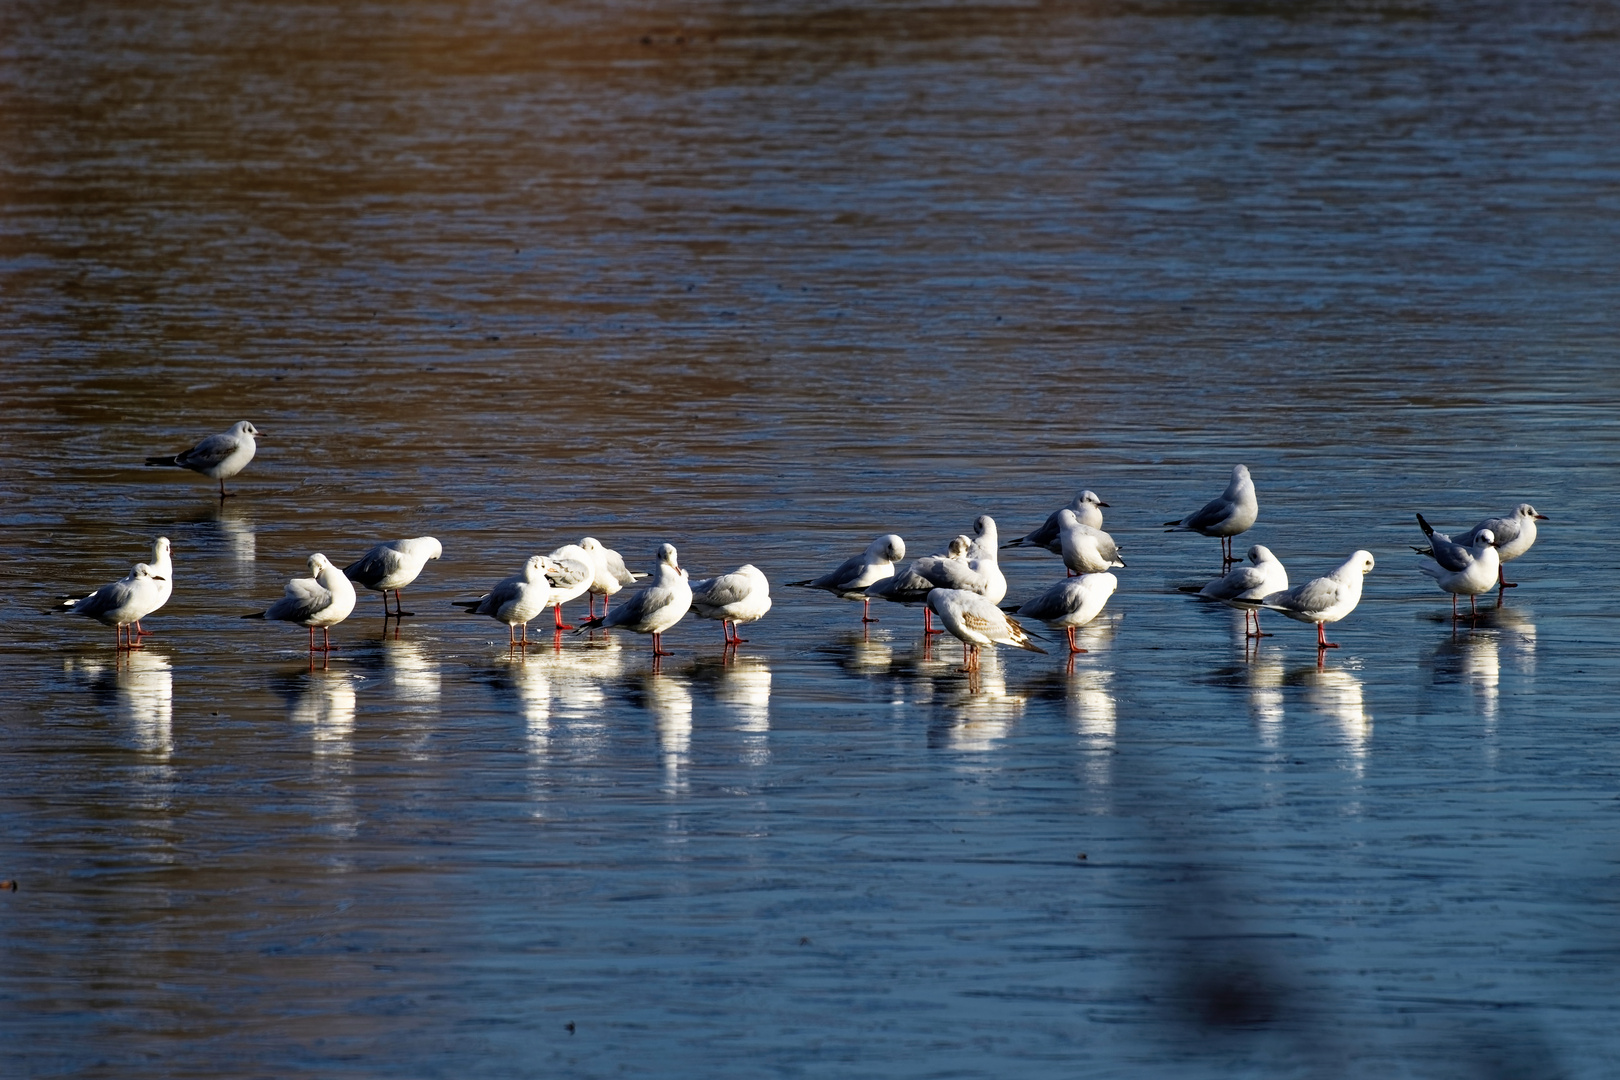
(974, 621)
(1072, 603)
(514, 600)
(126, 602)
(218, 457)
(1086, 550)
(392, 566)
(572, 573)
(1515, 531)
(952, 570)
(1233, 513)
(1085, 507)
(655, 608)
(738, 598)
(323, 599)
(1263, 576)
(1322, 600)
(1462, 570)
(611, 573)
(850, 579)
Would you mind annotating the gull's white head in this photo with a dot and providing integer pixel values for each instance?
(888, 548)
(1525, 510)
(666, 556)
(535, 569)
(426, 544)
(984, 525)
(958, 547)
(1259, 553)
(142, 570)
(244, 428)
(1485, 539)
(1089, 498)
(1068, 518)
(317, 563)
(1364, 560)
(161, 546)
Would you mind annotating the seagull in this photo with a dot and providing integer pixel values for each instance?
(655, 608)
(982, 557)
(126, 602)
(1322, 600)
(611, 573)
(1462, 570)
(323, 599)
(852, 577)
(391, 567)
(218, 457)
(1234, 512)
(974, 620)
(162, 568)
(1072, 603)
(952, 570)
(740, 597)
(1263, 576)
(1086, 550)
(1515, 531)
(1085, 507)
(515, 600)
(571, 571)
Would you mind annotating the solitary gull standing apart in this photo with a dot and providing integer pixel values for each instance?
(738, 598)
(515, 600)
(1072, 604)
(1462, 570)
(655, 608)
(1233, 513)
(1086, 509)
(850, 579)
(1262, 576)
(323, 599)
(218, 457)
(1325, 599)
(391, 567)
(974, 621)
(126, 602)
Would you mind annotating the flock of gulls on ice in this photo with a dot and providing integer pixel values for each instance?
(963, 586)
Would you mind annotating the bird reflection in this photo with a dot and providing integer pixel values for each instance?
(1092, 710)
(1265, 677)
(416, 675)
(744, 687)
(980, 709)
(1335, 693)
(1473, 661)
(326, 704)
(530, 684)
(231, 526)
(145, 682)
(669, 700)
(859, 654)
(577, 676)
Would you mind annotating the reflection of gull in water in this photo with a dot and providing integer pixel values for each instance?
(577, 675)
(745, 686)
(416, 676)
(1474, 661)
(1091, 707)
(1266, 678)
(1336, 693)
(983, 713)
(670, 702)
(146, 686)
(532, 687)
(327, 706)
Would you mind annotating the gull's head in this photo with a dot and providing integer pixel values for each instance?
(161, 546)
(142, 570)
(1525, 510)
(429, 545)
(889, 548)
(245, 428)
(984, 525)
(1240, 473)
(1259, 554)
(1485, 538)
(666, 556)
(1068, 518)
(1364, 560)
(317, 563)
(958, 547)
(1089, 498)
(591, 544)
(535, 568)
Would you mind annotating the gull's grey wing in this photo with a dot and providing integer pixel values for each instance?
(1318, 594)
(844, 576)
(208, 453)
(381, 562)
(615, 566)
(1060, 600)
(1450, 554)
(302, 598)
(1505, 529)
(1239, 581)
(570, 572)
(1213, 513)
(1048, 534)
(639, 607)
(719, 591)
(105, 599)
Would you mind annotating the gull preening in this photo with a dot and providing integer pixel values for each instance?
(1086, 508)
(850, 579)
(1515, 531)
(322, 600)
(736, 599)
(218, 457)
(1072, 603)
(515, 600)
(655, 608)
(392, 566)
(974, 621)
(1233, 513)
(572, 571)
(1325, 599)
(1262, 576)
(1085, 549)
(126, 602)
(1462, 569)
(955, 569)
(611, 574)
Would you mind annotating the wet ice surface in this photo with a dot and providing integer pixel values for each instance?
(509, 278)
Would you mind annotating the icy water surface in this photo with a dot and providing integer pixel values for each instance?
(765, 281)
